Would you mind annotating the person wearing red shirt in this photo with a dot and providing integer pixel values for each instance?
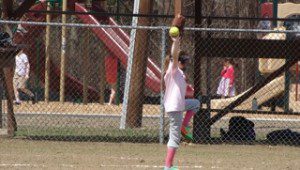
(226, 86)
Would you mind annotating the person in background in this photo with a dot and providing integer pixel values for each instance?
(111, 69)
(226, 86)
(264, 25)
(21, 75)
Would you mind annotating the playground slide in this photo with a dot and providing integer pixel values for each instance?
(272, 89)
(114, 38)
(117, 46)
(73, 85)
(117, 42)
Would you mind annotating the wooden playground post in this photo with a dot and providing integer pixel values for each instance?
(47, 50)
(63, 54)
(7, 61)
(7, 8)
(11, 120)
(137, 81)
(21, 10)
(85, 66)
(201, 128)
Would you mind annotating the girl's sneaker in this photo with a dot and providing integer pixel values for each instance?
(17, 102)
(171, 168)
(187, 133)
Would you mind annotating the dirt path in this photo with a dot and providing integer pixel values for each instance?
(25, 154)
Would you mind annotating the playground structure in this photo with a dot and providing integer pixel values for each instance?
(269, 65)
(115, 40)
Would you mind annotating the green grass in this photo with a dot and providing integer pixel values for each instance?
(87, 134)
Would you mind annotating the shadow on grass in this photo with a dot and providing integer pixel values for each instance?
(283, 137)
(113, 139)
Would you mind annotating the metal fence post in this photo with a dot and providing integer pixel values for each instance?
(63, 54)
(287, 83)
(162, 110)
(1, 98)
(207, 127)
(197, 122)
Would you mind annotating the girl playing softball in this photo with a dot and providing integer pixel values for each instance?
(174, 100)
(226, 86)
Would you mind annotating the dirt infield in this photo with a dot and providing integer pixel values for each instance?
(98, 109)
(27, 154)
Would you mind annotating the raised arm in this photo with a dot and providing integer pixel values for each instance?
(175, 50)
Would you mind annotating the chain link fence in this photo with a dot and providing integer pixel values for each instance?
(112, 87)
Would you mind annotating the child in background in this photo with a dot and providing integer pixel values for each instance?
(111, 70)
(21, 75)
(226, 86)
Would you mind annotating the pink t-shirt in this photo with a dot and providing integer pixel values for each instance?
(228, 72)
(175, 83)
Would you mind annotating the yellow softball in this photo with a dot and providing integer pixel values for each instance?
(174, 31)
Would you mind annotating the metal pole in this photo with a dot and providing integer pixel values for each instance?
(162, 110)
(129, 65)
(37, 69)
(47, 59)
(63, 54)
(1, 98)
(206, 115)
(297, 80)
(198, 123)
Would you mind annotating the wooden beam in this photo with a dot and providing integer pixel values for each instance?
(7, 61)
(249, 48)
(201, 130)
(25, 6)
(7, 9)
(8, 85)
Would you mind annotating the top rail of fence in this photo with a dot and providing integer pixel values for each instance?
(146, 27)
